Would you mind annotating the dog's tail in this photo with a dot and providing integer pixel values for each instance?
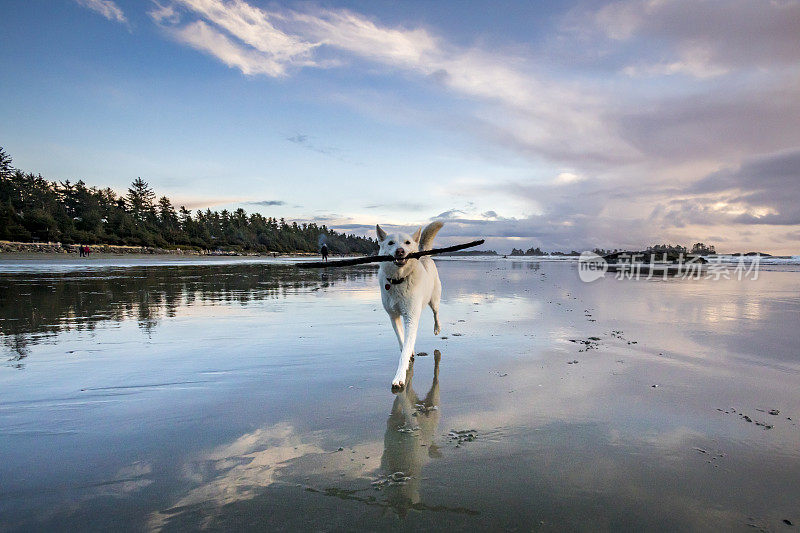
(430, 231)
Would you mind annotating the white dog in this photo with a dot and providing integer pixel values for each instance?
(408, 285)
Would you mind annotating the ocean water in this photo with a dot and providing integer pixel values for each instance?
(151, 394)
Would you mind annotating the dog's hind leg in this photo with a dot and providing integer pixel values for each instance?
(436, 327)
(434, 303)
(397, 324)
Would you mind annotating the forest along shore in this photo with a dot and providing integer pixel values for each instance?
(9, 247)
(35, 210)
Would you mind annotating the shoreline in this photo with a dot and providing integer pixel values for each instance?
(13, 249)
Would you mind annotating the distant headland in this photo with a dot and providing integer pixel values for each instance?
(697, 249)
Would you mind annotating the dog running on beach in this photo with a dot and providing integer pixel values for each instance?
(407, 286)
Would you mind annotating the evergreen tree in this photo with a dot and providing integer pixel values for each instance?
(140, 199)
(166, 213)
(6, 170)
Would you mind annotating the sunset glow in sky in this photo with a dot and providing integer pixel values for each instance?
(564, 125)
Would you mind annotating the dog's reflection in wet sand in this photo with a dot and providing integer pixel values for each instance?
(409, 441)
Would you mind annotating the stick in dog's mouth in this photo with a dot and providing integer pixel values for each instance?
(381, 258)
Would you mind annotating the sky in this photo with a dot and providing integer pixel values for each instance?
(559, 124)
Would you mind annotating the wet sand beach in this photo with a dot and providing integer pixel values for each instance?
(151, 394)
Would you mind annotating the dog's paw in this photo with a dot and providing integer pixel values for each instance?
(399, 381)
(436, 329)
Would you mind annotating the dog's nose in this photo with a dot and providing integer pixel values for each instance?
(399, 252)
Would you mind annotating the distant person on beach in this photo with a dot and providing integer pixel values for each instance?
(324, 251)
(87, 251)
(80, 250)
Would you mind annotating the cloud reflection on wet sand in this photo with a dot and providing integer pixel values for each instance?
(246, 431)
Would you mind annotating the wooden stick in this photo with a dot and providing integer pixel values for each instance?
(382, 258)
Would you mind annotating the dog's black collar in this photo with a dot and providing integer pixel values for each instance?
(393, 282)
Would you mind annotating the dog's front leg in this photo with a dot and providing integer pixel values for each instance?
(411, 323)
(397, 324)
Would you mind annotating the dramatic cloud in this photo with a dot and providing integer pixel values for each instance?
(107, 8)
(708, 38)
(586, 123)
(204, 38)
(256, 46)
(761, 191)
(560, 118)
(628, 112)
(723, 125)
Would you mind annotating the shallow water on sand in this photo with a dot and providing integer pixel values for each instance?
(236, 394)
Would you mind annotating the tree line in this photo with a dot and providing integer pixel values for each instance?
(34, 209)
(538, 252)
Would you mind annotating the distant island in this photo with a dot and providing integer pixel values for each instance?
(672, 250)
(750, 254)
(33, 209)
(517, 252)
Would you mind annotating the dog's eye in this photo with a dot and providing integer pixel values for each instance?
(408, 242)
(391, 243)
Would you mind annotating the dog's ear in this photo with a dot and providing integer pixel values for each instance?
(416, 235)
(381, 233)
